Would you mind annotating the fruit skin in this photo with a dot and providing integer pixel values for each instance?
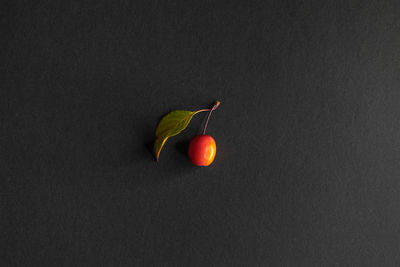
(202, 149)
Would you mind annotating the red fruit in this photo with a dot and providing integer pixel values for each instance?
(202, 149)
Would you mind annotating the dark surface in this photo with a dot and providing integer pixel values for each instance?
(307, 170)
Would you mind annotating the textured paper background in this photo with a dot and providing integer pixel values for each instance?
(307, 169)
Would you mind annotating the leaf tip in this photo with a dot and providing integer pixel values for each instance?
(158, 145)
(157, 154)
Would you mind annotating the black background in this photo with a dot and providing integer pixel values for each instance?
(307, 169)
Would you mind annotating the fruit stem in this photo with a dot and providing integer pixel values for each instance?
(209, 115)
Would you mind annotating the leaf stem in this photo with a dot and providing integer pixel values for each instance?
(209, 115)
(201, 110)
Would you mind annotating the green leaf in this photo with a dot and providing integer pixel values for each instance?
(170, 125)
